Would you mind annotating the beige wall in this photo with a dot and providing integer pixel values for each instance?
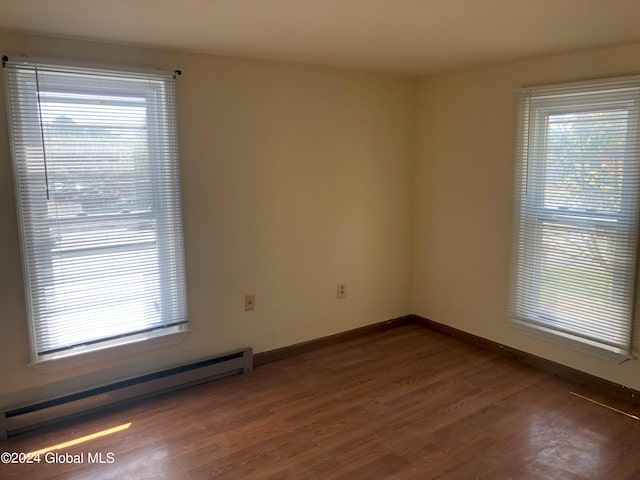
(298, 177)
(463, 189)
(294, 178)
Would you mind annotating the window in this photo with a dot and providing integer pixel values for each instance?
(576, 207)
(97, 188)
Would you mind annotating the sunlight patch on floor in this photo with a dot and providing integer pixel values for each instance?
(80, 440)
(605, 406)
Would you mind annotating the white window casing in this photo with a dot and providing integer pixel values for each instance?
(95, 160)
(576, 214)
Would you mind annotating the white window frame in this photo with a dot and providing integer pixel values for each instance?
(164, 210)
(530, 215)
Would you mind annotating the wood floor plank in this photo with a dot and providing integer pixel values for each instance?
(406, 403)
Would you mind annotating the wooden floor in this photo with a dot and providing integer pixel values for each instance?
(402, 404)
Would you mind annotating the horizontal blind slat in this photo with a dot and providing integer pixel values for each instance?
(95, 161)
(576, 197)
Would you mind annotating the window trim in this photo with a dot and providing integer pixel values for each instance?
(112, 350)
(533, 113)
(162, 336)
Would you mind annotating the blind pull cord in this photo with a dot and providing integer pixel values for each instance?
(44, 148)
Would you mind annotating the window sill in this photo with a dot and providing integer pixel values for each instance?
(116, 348)
(603, 352)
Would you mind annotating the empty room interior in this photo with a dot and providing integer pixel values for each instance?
(317, 240)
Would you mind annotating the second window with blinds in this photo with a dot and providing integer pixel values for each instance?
(575, 229)
(96, 176)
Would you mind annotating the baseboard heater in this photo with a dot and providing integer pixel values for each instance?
(28, 417)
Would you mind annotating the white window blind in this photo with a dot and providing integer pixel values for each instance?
(96, 177)
(576, 213)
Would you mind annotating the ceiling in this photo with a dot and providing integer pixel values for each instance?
(405, 36)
